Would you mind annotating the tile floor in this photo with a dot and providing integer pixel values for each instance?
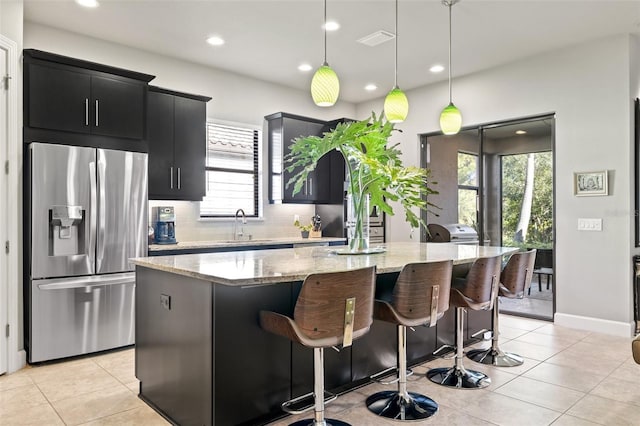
(570, 377)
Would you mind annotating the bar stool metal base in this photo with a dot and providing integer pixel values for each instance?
(325, 422)
(495, 357)
(460, 378)
(391, 405)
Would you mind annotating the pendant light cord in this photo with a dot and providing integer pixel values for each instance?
(324, 25)
(450, 97)
(395, 76)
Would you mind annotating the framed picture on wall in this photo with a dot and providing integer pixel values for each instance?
(590, 183)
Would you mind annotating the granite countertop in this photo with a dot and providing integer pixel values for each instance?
(186, 245)
(256, 267)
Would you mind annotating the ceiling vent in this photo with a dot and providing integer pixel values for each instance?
(376, 38)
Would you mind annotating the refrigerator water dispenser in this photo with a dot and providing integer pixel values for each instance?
(66, 230)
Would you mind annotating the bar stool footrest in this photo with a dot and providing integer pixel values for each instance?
(495, 357)
(459, 378)
(287, 405)
(391, 405)
(327, 422)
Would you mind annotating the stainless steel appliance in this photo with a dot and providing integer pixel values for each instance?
(455, 233)
(334, 222)
(88, 215)
(164, 225)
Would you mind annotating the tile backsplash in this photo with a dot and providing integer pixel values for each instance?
(277, 222)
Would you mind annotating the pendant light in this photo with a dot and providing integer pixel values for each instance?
(325, 86)
(450, 118)
(396, 105)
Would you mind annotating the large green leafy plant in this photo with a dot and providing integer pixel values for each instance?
(374, 169)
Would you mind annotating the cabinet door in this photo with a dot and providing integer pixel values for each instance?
(118, 108)
(58, 99)
(160, 138)
(190, 140)
(291, 129)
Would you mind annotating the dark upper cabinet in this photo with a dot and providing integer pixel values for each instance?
(176, 129)
(69, 95)
(323, 185)
(118, 108)
(58, 99)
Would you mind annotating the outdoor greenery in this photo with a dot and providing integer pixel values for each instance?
(374, 169)
(540, 231)
(467, 189)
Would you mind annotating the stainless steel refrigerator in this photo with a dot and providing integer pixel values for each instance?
(87, 212)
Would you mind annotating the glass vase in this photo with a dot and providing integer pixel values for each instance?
(358, 222)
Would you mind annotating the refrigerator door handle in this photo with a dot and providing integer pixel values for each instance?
(102, 205)
(94, 281)
(93, 215)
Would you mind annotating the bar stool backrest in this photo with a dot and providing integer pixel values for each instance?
(482, 280)
(320, 309)
(412, 294)
(516, 275)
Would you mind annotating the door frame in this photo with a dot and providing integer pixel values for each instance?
(423, 141)
(11, 196)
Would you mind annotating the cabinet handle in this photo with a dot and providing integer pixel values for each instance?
(310, 186)
(86, 111)
(171, 179)
(178, 177)
(97, 113)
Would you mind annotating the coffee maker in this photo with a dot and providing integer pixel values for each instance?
(164, 222)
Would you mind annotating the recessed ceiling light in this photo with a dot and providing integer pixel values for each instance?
(331, 26)
(215, 41)
(436, 68)
(521, 132)
(370, 87)
(88, 3)
(305, 67)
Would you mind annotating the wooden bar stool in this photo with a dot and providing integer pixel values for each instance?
(332, 309)
(420, 297)
(515, 279)
(476, 292)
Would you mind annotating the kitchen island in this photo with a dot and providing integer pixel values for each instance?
(202, 358)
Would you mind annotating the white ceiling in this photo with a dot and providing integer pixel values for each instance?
(268, 39)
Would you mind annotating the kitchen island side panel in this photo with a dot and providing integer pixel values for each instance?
(174, 345)
(252, 368)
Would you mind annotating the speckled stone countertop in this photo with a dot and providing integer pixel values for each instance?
(258, 267)
(186, 245)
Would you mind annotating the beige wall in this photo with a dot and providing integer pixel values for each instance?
(589, 88)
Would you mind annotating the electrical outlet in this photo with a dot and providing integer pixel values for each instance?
(165, 301)
(589, 224)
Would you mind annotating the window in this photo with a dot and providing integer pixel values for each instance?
(467, 189)
(232, 171)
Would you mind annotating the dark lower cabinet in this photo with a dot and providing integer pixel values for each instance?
(176, 124)
(174, 347)
(203, 359)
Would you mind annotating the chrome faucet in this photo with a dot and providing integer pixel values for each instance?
(238, 234)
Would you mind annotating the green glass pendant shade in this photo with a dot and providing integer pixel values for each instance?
(325, 86)
(396, 106)
(450, 120)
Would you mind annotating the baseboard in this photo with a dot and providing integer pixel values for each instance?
(614, 328)
(17, 361)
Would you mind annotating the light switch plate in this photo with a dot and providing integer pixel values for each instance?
(165, 301)
(589, 224)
